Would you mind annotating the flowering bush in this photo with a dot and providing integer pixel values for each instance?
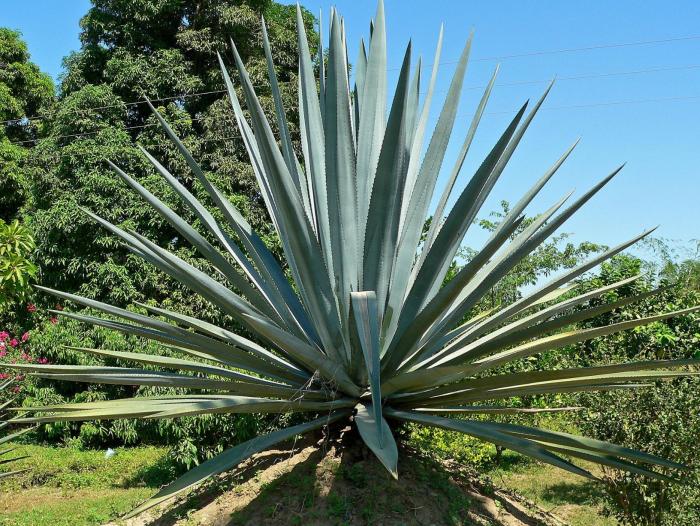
(16, 347)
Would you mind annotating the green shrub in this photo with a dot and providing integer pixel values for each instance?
(448, 444)
(664, 420)
(16, 268)
(47, 342)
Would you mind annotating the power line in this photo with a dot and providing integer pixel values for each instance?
(87, 134)
(584, 76)
(59, 155)
(448, 62)
(690, 98)
(592, 47)
(126, 104)
(587, 76)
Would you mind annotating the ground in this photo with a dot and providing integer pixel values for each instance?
(66, 486)
(303, 483)
(574, 500)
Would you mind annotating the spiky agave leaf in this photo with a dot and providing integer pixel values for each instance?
(371, 331)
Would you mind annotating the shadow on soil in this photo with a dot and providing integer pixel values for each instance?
(340, 483)
(155, 475)
(565, 493)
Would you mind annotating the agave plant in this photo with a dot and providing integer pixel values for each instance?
(8, 438)
(365, 331)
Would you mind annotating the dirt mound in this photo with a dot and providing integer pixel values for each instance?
(326, 484)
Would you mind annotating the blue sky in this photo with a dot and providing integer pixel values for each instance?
(622, 111)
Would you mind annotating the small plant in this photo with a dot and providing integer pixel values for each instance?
(365, 331)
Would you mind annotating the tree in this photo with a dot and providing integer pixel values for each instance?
(24, 92)
(164, 50)
(663, 420)
(551, 257)
(557, 254)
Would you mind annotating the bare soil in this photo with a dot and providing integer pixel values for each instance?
(327, 483)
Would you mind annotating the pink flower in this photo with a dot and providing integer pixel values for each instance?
(25, 336)
(53, 320)
(4, 335)
(14, 342)
(31, 307)
(3, 353)
(26, 357)
(42, 360)
(4, 376)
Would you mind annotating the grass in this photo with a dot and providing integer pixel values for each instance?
(68, 486)
(576, 500)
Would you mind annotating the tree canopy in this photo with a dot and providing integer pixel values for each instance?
(164, 50)
(24, 93)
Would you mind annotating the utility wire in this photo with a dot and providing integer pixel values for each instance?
(584, 76)
(135, 127)
(126, 104)
(581, 49)
(588, 76)
(690, 98)
(448, 62)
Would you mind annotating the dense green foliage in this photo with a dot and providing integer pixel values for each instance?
(165, 50)
(192, 439)
(16, 267)
(25, 95)
(556, 255)
(663, 420)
